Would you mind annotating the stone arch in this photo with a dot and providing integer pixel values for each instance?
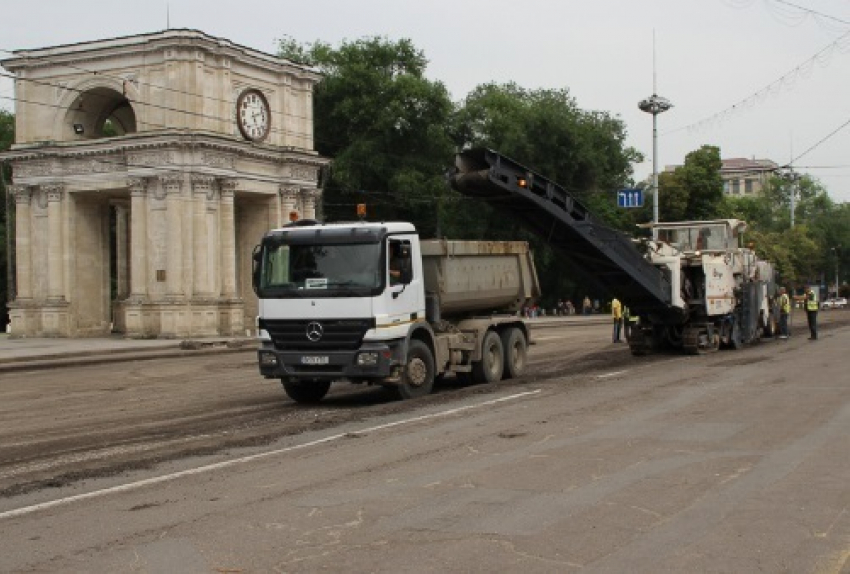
(94, 110)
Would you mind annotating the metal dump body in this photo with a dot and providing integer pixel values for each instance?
(479, 276)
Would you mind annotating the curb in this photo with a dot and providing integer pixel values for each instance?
(83, 358)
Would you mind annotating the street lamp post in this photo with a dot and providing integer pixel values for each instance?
(655, 105)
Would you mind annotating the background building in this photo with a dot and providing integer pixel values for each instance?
(743, 176)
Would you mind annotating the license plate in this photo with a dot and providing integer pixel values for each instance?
(307, 360)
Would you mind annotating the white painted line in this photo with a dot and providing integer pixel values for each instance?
(233, 462)
(614, 374)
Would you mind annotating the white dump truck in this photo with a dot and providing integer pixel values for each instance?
(372, 303)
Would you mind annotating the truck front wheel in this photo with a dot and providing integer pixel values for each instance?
(516, 350)
(489, 369)
(418, 376)
(306, 393)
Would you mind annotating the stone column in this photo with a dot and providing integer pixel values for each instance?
(309, 197)
(55, 245)
(121, 265)
(23, 245)
(172, 185)
(228, 239)
(288, 199)
(202, 191)
(138, 239)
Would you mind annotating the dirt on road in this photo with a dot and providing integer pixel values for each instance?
(58, 426)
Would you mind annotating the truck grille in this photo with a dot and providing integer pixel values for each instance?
(335, 334)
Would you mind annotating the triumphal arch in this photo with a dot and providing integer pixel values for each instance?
(145, 169)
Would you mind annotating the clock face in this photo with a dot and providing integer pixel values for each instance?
(252, 115)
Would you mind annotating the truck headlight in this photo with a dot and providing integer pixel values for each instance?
(268, 359)
(368, 359)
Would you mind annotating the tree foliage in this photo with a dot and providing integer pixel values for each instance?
(384, 124)
(808, 252)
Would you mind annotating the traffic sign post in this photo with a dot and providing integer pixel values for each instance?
(630, 198)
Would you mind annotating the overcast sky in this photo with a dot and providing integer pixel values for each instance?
(786, 71)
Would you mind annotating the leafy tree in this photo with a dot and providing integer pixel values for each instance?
(7, 138)
(583, 151)
(384, 124)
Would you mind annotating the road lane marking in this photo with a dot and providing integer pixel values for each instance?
(614, 374)
(245, 459)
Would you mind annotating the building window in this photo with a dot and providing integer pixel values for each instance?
(736, 187)
(726, 187)
(748, 185)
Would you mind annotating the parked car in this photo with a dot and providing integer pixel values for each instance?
(834, 303)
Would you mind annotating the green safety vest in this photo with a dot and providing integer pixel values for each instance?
(811, 301)
(785, 303)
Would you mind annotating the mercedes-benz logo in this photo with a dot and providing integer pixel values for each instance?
(315, 331)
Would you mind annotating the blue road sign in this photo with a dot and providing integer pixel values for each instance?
(630, 198)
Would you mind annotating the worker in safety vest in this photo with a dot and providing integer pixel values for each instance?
(617, 315)
(812, 312)
(784, 311)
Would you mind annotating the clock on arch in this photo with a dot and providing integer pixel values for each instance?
(253, 115)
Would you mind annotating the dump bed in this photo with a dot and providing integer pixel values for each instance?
(467, 277)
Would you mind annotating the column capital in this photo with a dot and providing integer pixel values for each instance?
(54, 191)
(22, 193)
(288, 193)
(203, 185)
(138, 186)
(171, 184)
(228, 186)
(310, 194)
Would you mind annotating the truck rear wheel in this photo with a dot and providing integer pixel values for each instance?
(515, 348)
(306, 393)
(418, 376)
(489, 369)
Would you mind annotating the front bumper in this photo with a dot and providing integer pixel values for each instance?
(383, 364)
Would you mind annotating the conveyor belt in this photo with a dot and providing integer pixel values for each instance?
(606, 256)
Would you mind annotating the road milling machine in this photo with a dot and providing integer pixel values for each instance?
(694, 286)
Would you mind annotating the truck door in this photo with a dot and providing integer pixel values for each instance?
(403, 280)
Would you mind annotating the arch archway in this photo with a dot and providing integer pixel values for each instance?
(99, 112)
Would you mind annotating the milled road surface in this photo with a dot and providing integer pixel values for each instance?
(731, 462)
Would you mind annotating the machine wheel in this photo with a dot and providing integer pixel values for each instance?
(306, 393)
(515, 348)
(771, 328)
(489, 368)
(418, 376)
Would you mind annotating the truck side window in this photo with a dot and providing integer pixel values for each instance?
(401, 270)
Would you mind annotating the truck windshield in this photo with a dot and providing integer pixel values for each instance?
(350, 270)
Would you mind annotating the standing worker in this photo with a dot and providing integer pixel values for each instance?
(617, 314)
(812, 313)
(784, 311)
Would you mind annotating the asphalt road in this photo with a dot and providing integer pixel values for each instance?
(736, 461)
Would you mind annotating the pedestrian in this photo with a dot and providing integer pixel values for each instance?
(784, 311)
(617, 315)
(585, 305)
(812, 313)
